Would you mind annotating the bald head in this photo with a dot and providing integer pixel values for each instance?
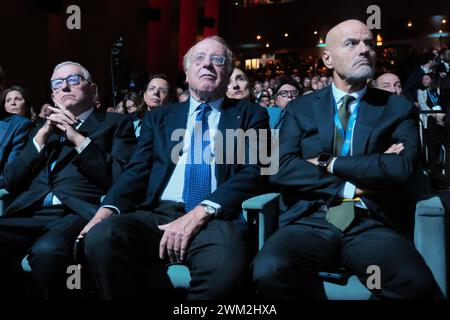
(389, 82)
(350, 53)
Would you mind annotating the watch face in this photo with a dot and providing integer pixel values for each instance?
(210, 210)
(324, 157)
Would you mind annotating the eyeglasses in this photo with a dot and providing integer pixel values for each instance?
(159, 90)
(72, 80)
(286, 93)
(216, 60)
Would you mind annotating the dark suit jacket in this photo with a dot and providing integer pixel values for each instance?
(413, 83)
(78, 180)
(151, 166)
(14, 132)
(308, 130)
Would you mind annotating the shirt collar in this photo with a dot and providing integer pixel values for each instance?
(338, 94)
(193, 104)
(82, 117)
(426, 70)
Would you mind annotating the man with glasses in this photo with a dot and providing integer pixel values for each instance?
(59, 178)
(177, 204)
(287, 91)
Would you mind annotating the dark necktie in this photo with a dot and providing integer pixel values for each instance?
(48, 200)
(197, 173)
(342, 215)
(344, 115)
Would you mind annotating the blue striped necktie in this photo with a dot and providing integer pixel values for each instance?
(197, 173)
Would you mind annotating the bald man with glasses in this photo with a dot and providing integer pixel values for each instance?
(59, 178)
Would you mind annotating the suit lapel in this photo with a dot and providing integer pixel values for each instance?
(230, 118)
(86, 129)
(175, 119)
(324, 113)
(368, 117)
(3, 129)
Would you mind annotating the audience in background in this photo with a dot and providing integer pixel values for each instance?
(389, 82)
(15, 100)
(238, 88)
(157, 91)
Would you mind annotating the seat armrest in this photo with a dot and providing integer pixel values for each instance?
(261, 215)
(430, 237)
(5, 198)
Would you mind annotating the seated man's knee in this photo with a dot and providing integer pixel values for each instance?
(100, 238)
(268, 266)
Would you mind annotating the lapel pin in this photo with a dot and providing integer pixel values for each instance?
(238, 117)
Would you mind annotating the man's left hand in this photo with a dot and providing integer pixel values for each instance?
(65, 121)
(179, 233)
(315, 162)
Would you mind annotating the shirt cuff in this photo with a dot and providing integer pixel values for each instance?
(332, 164)
(348, 191)
(117, 211)
(83, 145)
(216, 206)
(38, 147)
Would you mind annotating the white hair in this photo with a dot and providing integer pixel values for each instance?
(228, 54)
(84, 72)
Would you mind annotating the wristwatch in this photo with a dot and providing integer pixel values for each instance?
(210, 210)
(324, 160)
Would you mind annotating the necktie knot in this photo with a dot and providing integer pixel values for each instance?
(204, 108)
(346, 101)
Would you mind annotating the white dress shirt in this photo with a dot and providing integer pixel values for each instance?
(174, 189)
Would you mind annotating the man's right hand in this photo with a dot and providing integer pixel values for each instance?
(42, 135)
(102, 214)
(395, 148)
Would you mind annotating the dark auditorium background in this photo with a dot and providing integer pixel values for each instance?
(156, 33)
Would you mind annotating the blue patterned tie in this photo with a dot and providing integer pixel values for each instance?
(197, 174)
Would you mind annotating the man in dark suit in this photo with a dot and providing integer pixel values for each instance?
(189, 209)
(322, 162)
(14, 132)
(414, 81)
(444, 102)
(59, 178)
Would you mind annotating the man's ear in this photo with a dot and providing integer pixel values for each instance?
(327, 59)
(94, 89)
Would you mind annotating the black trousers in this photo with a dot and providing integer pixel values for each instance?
(288, 264)
(123, 255)
(47, 236)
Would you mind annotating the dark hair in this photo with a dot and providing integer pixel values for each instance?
(424, 59)
(290, 82)
(164, 77)
(25, 96)
(137, 100)
(157, 76)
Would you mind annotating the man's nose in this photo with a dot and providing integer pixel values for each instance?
(157, 92)
(236, 87)
(65, 86)
(207, 63)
